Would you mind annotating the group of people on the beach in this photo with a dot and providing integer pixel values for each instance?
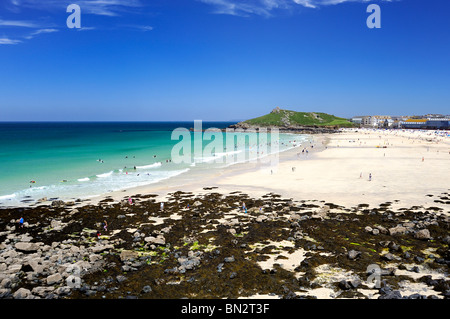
(370, 176)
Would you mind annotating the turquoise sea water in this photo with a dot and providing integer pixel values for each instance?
(80, 160)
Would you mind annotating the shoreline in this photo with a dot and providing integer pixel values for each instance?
(329, 173)
(341, 167)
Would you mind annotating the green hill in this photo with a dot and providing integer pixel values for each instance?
(279, 117)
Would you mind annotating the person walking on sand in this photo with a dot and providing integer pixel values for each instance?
(370, 177)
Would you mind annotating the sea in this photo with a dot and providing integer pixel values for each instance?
(81, 160)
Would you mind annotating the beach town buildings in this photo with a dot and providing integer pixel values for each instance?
(375, 121)
(432, 123)
(428, 121)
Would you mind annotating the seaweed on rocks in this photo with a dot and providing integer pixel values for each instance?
(207, 246)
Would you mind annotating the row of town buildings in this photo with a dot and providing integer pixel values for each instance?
(429, 121)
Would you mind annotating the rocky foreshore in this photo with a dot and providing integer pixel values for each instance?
(208, 246)
(299, 129)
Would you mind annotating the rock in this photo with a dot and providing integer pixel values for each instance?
(6, 283)
(22, 293)
(294, 218)
(126, 255)
(446, 240)
(349, 284)
(27, 247)
(375, 231)
(42, 291)
(4, 293)
(63, 291)
(382, 229)
(353, 254)
(100, 248)
(415, 269)
(229, 259)
(423, 234)
(409, 225)
(368, 229)
(391, 295)
(121, 278)
(37, 265)
(388, 257)
(56, 224)
(191, 263)
(397, 231)
(344, 285)
(387, 272)
(394, 247)
(355, 283)
(160, 240)
(419, 259)
(54, 279)
(146, 289)
(417, 296)
(261, 218)
(276, 110)
(233, 275)
(41, 200)
(58, 203)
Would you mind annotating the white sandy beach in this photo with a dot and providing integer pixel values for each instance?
(405, 166)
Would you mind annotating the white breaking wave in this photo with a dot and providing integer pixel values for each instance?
(105, 174)
(158, 164)
(7, 197)
(86, 179)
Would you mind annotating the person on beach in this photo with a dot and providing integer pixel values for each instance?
(243, 207)
(370, 177)
(162, 206)
(130, 201)
(105, 225)
(98, 234)
(21, 222)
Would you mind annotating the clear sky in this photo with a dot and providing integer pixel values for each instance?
(157, 60)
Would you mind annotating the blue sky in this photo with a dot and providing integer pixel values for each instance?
(221, 59)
